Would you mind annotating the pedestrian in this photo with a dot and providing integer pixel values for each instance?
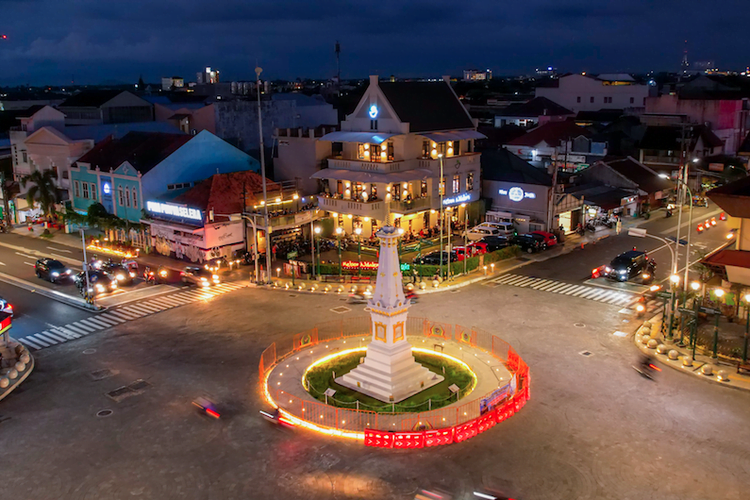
(274, 249)
(414, 275)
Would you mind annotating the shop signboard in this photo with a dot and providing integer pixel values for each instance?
(517, 194)
(174, 211)
(461, 198)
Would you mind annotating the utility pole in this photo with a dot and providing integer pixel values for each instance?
(6, 208)
(258, 71)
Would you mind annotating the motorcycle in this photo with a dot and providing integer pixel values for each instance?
(149, 276)
(647, 368)
(356, 298)
(207, 407)
(412, 296)
(668, 214)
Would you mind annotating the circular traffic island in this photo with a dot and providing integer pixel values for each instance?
(459, 381)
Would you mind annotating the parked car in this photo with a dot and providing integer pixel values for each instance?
(479, 232)
(504, 228)
(199, 276)
(631, 265)
(527, 242)
(549, 239)
(120, 273)
(493, 243)
(433, 258)
(540, 239)
(99, 282)
(470, 251)
(51, 270)
(477, 248)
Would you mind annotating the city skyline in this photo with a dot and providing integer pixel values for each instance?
(50, 44)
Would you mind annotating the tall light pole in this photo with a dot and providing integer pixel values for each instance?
(747, 328)
(441, 189)
(258, 71)
(316, 241)
(466, 227)
(683, 183)
(86, 266)
(338, 237)
(358, 232)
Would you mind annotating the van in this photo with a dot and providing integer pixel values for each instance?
(503, 228)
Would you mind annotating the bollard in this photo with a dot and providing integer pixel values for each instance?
(662, 349)
(687, 361)
(673, 355)
(723, 376)
(707, 370)
(652, 343)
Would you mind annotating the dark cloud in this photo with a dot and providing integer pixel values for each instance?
(50, 40)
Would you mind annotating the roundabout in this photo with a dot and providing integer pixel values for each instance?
(361, 379)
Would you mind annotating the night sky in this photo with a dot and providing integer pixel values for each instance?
(106, 41)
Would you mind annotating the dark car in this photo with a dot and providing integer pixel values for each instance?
(99, 282)
(433, 259)
(120, 273)
(541, 239)
(199, 276)
(51, 270)
(527, 242)
(630, 265)
(495, 242)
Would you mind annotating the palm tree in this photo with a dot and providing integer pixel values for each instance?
(43, 191)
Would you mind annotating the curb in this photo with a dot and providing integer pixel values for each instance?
(24, 375)
(695, 371)
(50, 294)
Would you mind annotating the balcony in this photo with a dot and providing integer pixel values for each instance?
(373, 209)
(367, 166)
(452, 162)
(415, 205)
(662, 160)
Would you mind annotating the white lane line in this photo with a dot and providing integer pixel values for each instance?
(162, 302)
(81, 326)
(36, 345)
(49, 337)
(565, 289)
(504, 278)
(120, 314)
(134, 310)
(525, 282)
(106, 322)
(170, 300)
(540, 284)
(2, 263)
(151, 308)
(59, 250)
(92, 323)
(557, 286)
(181, 301)
(516, 280)
(69, 334)
(25, 255)
(581, 290)
(77, 329)
(111, 317)
(548, 287)
(29, 264)
(594, 293)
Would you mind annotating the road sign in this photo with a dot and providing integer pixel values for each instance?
(685, 310)
(636, 231)
(708, 310)
(291, 255)
(672, 239)
(664, 295)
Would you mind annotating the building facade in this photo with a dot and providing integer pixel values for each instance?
(390, 154)
(588, 93)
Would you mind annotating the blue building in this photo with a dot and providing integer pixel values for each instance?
(122, 174)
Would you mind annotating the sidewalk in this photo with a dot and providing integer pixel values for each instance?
(649, 340)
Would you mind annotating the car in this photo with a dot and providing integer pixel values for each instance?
(540, 239)
(477, 248)
(51, 270)
(527, 242)
(122, 274)
(99, 282)
(493, 243)
(479, 232)
(631, 265)
(549, 239)
(433, 258)
(5, 306)
(199, 276)
(504, 228)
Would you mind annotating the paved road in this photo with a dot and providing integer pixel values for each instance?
(593, 429)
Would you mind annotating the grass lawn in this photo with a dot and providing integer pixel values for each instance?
(321, 378)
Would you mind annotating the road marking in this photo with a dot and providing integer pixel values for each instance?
(2, 263)
(49, 337)
(111, 317)
(29, 264)
(81, 327)
(69, 334)
(25, 255)
(59, 250)
(91, 322)
(36, 345)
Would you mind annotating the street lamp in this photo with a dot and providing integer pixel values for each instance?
(689, 232)
(258, 71)
(674, 281)
(358, 232)
(466, 227)
(441, 189)
(747, 328)
(695, 285)
(315, 240)
(719, 294)
(338, 237)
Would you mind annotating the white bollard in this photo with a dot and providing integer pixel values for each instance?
(687, 361)
(652, 343)
(4, 382)
(723, 376)
(20, 366)
(707, 370)
(673, 355)
(662, 349)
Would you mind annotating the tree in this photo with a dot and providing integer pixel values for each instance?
(43, 191)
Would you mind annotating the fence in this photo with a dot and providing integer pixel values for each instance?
(428, 428)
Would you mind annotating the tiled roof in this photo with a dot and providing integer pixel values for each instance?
(668, 138)
(502, 165)
(224, 192)
(733, 198)
(143, 150)
(90, 98)
(538, 106)
(552, 133)
(28, 113)
(427, 106)
(647, 179)
(733, 258)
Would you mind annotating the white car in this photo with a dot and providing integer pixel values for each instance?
(503, 228)
(479, 232)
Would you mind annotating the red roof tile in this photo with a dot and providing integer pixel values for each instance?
(224, 192)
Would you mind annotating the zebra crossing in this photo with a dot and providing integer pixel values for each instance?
(122, 314)
(598, 294)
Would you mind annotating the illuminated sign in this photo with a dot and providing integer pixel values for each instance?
(457, 199)
(157, 207)
(517, 194)
(106, 188)
(373, 112)
(351, 265)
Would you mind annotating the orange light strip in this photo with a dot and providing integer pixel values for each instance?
(112, 251)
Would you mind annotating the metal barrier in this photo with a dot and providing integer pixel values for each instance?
(402, 430)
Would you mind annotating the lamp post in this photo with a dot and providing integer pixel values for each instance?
(674, 281)
(441, 189)
(683, 183)
(258, 71)
(358, 232)
(316, 241)
(86, 266)
(338, 237)
(719, 294)
(466, 226)
(747, 328)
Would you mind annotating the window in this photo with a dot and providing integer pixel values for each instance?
(426, 149)
(632, 100)
(54, 171)
(66, 174)
(470, 181)
(457, 148)
(135, 198)
(423, 189)
(373, 124)
(578, 99)
(127, 197)
(25, 156)
(441, 148)
(390, 151)
(644, 101)
(456, 183)
(85, 186)
(76, 189)
(442, 186)
(592, 99)
(170, 187)
(93, 191)
(120, 197)
(607, 100)
(363, 152)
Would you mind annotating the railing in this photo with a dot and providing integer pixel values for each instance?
(373, 209)
(670, 160)
(367, 166)
(440, 426)
(467, 159)
(406, 207)
(295, 219)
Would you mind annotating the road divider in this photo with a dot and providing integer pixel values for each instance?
(46, 292)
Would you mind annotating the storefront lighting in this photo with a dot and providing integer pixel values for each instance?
(367, 147)
(278, 200)
(357, 230)
(719, 292)
(349, 215)
(317, 229)
(388, 188)
(367, 219)
(383, 155)
(406, 185)
(295, 196)
(695, 285)
(339, 230)
(450, 151)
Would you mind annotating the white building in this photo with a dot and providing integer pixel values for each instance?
(388, 165)
(476, 75)
(589, 93)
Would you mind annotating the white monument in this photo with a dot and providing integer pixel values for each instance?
(389, 372)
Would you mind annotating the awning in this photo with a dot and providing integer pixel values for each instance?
(372, 177)
(454, 135)
(364, 137)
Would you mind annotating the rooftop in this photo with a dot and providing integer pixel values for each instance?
(538, 106)
(647, 179)
(551, 133)
(669, 138)
(502, 165)
(90, 98)
(143, 150)
(733, 198)
(426, 106)
(224, 193)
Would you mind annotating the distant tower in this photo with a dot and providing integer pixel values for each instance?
(685, 64)
(337, 49)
